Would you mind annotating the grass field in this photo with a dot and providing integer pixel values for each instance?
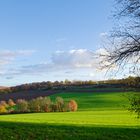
(101, 116)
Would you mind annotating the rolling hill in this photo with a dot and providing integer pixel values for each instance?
(100, 116)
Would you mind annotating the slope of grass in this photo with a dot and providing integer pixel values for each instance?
(97, 101)
(33, 131)
(85, 118)
(100, 116)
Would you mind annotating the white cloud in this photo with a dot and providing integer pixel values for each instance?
(7, 57)
(80, 58)
(63, 61)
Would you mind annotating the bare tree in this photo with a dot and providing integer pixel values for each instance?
(125, 38)
(125, 43)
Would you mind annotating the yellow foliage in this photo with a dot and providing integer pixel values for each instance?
(3, 109)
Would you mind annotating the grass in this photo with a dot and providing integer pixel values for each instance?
(101, 116)
(28, 131)
(97, 101)
(86, 118)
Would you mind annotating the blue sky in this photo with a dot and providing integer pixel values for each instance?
(43, 40)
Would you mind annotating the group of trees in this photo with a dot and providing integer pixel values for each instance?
(131, 82)
(40, 104)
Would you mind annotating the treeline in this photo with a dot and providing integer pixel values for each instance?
(40, 104)
(130, 82)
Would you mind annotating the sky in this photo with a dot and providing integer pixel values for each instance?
(48, 40)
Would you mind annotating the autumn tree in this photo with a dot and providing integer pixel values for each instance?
(22, 106)
(60, 104)
(3, 103)
(72, 105)
(3, 109)
(11, 102)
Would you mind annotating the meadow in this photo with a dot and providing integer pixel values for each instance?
(100, 116)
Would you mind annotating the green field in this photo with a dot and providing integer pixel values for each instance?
(100, 116)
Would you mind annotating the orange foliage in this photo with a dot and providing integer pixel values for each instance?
(11, 102)
(72, 105)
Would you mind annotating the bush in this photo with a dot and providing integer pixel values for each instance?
(11, 102)
(72, 105)
(3, 109)
(22, 106)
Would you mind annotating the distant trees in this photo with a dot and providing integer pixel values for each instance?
(66, 85)
(40, 104)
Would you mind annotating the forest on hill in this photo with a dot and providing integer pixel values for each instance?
(127, 83)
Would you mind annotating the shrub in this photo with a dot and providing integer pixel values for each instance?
(72, 105)
(22, 106)
(3, 109)
(11, 102)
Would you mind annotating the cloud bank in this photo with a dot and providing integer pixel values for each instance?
(77, 62)
(7, 56)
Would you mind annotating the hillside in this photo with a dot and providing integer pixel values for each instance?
(30, 94)
(100, 116)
